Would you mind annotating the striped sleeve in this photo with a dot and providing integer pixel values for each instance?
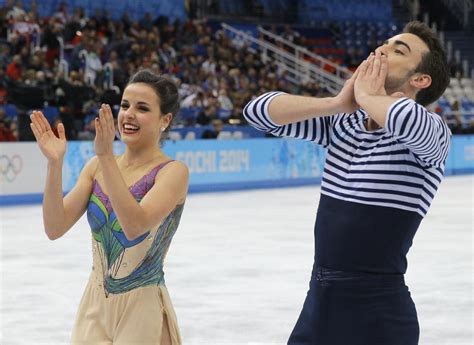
(425, 134)
(317, 130)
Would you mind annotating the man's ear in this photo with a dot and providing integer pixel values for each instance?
(420, 81)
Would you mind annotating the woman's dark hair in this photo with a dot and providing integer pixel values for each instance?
(166, 91)
(433, 63)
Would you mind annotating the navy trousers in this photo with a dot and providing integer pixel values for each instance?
(347, 308)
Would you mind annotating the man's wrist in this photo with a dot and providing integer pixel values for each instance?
(362, 98)
(336, 104)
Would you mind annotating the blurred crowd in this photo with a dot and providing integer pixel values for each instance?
(68, 63)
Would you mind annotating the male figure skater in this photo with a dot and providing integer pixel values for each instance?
(385, 161)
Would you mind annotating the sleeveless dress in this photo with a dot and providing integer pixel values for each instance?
(126, 300)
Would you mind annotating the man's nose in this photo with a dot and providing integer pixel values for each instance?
(382, 49)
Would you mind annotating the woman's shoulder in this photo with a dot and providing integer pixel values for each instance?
(91, 167)
(173, 166)
(175, 174)
(172, 171)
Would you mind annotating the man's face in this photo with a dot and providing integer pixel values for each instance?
(404, 52)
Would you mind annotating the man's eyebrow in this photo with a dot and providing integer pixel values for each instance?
(399, 43)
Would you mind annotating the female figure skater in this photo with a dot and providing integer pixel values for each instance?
(385, 161)
(134, 203)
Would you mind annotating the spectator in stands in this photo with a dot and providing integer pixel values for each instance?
(15, 68)
(61, 15)
(7, 128)
(26, 29)
(224, 101)
(191, 113)
(452, 117)
(198, 96)
(76, 78)
(455, 67)
(206, 116)
(34, 62)
(213, 133)
(93, 66)
(147, 22)
(50, 41)
(88, 132)
(5, 55)
(200, 48)
(120, 76)
(29, 77)
(167, 54)
(16, 10)
(15, 44)
(209, 65)
(3, 86)
(74, 25)
(25, 55)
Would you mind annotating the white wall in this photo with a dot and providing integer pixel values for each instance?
(22, 168)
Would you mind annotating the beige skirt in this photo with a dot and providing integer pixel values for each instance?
(131, 318)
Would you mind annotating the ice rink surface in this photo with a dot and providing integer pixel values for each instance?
(238, 268)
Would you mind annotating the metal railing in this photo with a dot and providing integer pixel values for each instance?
(63, 64)
(299, 64)
(108, 83)
(305, 54)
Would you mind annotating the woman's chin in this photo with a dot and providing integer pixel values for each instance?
(129, 138)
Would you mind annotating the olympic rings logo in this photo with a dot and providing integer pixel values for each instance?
(10, 167)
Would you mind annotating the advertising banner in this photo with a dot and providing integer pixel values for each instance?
(214, 165)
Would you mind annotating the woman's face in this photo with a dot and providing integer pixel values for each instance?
(140, 119)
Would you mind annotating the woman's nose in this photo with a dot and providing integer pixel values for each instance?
(129, 113)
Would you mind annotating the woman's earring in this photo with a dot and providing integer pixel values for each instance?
(163, 129)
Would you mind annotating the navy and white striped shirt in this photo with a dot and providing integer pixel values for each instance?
(398, 166)
(377, 185)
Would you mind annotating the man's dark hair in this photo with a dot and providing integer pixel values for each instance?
(433, 63)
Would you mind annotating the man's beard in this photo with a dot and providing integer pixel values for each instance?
(393, 84)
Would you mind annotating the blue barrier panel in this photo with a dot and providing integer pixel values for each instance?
(253, 163)
(461, 155)
(215, 165)
(226, 164)
(249, 163)
(449, 167)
